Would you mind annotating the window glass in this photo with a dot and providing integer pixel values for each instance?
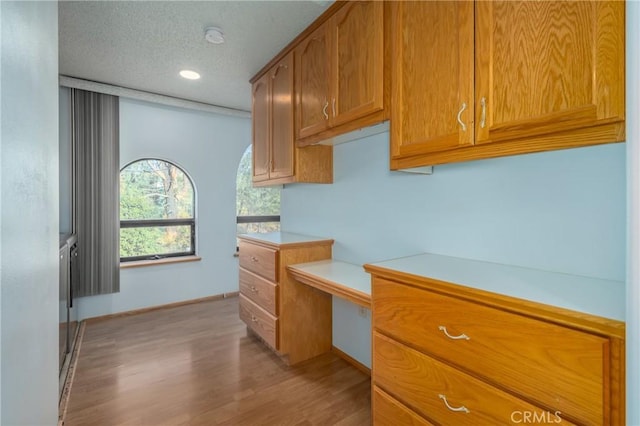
(157, 211)
(257, 209)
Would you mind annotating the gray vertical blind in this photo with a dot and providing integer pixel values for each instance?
(95, 127)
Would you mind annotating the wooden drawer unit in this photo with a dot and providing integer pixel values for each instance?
(259, 259)
(443, 393)
(292, 318)
(387, 411)
(511, 345)
(260, 291)
(259, 321)
(512, 350)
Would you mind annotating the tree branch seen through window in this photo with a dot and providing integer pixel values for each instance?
(257, 209)
(157, 211)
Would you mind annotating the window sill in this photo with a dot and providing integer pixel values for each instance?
(165, 261)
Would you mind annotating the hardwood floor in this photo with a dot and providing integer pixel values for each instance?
(196, 365)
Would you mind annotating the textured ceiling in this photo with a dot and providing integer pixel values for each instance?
(144, 44)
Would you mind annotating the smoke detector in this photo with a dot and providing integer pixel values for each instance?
(214, 35)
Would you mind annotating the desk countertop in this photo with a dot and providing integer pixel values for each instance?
(342, 279)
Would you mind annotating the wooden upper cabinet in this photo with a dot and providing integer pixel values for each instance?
(432, 89)
(276, 159)
(261, 128)
(340, 78)
(543, 75)
(357, 62)
(312, 83)
(548, 67)
(282, 143)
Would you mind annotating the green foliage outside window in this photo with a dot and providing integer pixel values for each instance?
(155, 190)
(252, 201)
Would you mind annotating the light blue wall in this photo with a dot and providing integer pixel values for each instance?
(29, 213)
(208, 146)
(633, 215)
(560, 211)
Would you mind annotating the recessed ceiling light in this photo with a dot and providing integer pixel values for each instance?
(214, 35)
(190, 75)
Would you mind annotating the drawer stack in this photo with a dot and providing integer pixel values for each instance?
(259, 291)
(446, 359)
(292, 319)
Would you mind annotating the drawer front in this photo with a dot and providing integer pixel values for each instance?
(258, 259)
(553, 365)
(445, 394)
(262, 292)
(260, 321)
(387, 411)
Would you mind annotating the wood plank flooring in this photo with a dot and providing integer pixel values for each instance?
(196, 365)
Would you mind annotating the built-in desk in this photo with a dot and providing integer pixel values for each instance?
(345, 280)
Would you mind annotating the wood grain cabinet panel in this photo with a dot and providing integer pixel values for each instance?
(340, 77)
(388, 411)
(282, 144)
(259, 321)
(443, 393)
(433, 76)
(545, 75)
(261, 128)
(358, 61)
(258, 259)
(312, 83)
(548, 67)
(510, 350)
(262, 292)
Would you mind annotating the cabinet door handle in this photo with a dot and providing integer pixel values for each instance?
(464, 126)
(483, 116)
(275, 72)
(462, 408)
(324, 110)
(462, 336)
(333, 106)
(254, 319)
(254, 259)
(254, 289)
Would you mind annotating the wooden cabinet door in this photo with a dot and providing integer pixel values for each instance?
(261, 128)
(432, 76)
(312, 83)
(282, 143)
(547, 67)
(357, 61)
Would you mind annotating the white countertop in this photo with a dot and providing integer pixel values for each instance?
(345, 274)
(341, 279)
(282, 238)
(605, 298)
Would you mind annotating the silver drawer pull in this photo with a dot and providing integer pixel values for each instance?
(254, 259)
(254, 319)
(462, 408)
(254, 289)
(462, 336)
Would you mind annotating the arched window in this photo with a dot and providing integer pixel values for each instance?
(157, 211)
(257, 209)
